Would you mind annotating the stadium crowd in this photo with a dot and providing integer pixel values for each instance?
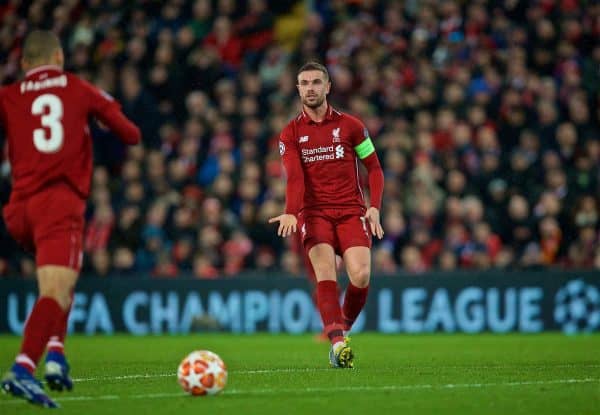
(485, 114)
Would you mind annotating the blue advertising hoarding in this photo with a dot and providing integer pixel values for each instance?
(467, 302)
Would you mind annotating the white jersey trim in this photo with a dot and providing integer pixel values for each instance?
(358, 182)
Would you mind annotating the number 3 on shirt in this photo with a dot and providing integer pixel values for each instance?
(50, 108)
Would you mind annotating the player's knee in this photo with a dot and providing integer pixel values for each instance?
(360, 275)
(57, 283)
(324, 270)
(62, 295)
(325, 273)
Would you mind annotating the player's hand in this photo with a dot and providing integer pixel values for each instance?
(288, 224)
(372, 216)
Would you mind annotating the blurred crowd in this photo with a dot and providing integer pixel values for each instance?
(485, 115)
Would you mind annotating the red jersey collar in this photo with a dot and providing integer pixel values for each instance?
(43, 68)
(330, 114)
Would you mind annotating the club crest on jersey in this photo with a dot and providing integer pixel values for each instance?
(336, 135)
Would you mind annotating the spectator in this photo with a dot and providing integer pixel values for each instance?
(227, 44)
(486, 116)
(201, 22)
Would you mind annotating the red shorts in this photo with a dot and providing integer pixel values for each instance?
(50, 224)
(340, 228)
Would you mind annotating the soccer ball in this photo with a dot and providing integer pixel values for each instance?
(202, 373)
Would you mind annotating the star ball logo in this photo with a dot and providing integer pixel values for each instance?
(281, 148)
(577, 307)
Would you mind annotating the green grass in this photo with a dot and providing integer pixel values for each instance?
(426, 374)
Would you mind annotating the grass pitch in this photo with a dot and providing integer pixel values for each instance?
(399, 374)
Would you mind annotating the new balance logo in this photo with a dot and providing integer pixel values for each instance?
(303, 139)
(339, 152)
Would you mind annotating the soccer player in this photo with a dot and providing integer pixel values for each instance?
(320, 149)
(45, 118)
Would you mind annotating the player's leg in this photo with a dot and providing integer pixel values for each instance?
(55, 354)
(45, 315)
(318, 237)
(19, 380)
(358, 267)
(60, 285)
(355, 244)
(312, 279)
(310, 275)
(56, 218)
(322, 257)
(298, 247)
(56, 343)
(59, 255)
(320, 242)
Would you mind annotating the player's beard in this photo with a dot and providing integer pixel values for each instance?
(314, 104)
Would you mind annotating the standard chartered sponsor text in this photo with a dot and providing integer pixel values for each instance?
(310, 155)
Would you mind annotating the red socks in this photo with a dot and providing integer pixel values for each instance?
(354, 301)
(59, 332)
(335, 320)
(57, 335)
(331, 312)
(38, 328)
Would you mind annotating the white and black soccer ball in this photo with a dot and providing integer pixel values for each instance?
(577, 307)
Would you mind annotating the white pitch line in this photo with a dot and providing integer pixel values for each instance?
(272, 391)
(174, 374)
(125, 377)
(297, 370)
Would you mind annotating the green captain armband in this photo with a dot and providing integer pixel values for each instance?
(365, 149)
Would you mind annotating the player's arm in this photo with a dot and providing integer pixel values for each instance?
(108, 111)
(294, 192)
(365, 151)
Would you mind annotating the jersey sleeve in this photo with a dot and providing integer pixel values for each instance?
(361, 140)
(290, 155)
(365, 151)
(108, 111)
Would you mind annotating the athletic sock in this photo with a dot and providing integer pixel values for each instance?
(56, 344)
(37, 331)
(331, 312)
(354, 301)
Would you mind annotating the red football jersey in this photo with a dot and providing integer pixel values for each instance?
(45, 119)
(327, 154)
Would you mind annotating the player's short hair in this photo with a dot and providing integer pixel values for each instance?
(314, 66)
(39, 46)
